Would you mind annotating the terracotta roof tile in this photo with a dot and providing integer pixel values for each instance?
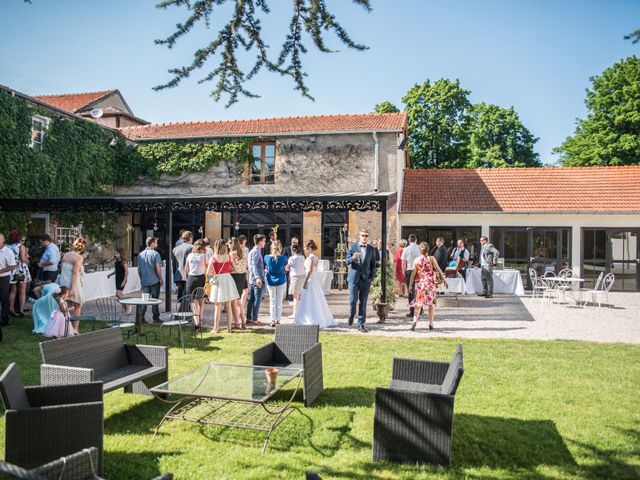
(565, 189)
(268, 126)
(73, 102)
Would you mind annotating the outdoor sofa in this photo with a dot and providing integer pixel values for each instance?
(296, 346)
(413, 418)
(103, 355)
(47, 422)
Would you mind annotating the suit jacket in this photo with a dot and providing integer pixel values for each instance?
(364, 269)
(287, 251)
(490, 254)
(441, 256)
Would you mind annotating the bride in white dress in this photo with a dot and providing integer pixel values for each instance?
(313, 308)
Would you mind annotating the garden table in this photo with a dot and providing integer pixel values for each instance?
(565, 284)
(139, 302)
(230, 396)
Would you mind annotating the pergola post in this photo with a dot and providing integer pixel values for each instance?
(383, 254)
(168, 252)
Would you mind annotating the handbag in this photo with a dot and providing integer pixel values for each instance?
(213, 279)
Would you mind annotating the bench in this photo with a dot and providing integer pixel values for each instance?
(103, 356)
(413, 419)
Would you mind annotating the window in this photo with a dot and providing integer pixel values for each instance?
(38, 128)
(263, 164)
(332, 224)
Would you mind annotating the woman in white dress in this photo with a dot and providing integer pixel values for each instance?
(313, 308)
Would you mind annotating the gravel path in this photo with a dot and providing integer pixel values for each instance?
(503, 316)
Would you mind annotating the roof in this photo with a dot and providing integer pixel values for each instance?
(543, 190)
(73, 102)
(320, 124)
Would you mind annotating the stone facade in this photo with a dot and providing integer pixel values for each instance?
(334, 163)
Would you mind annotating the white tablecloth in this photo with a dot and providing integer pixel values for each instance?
(97, 285)
(325, 280)
(504, 281)
(456, 285)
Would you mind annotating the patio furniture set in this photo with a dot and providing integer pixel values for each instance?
(413, 417)
(566, 285)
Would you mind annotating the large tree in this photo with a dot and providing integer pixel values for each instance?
(438, 124)
(610, 133)
(499, 139)
(243, 31)
(385, 107)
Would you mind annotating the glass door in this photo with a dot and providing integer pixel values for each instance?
(624, 258)
(544, 251)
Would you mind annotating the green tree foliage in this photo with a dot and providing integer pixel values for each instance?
(499, 139)
(243, 32)
(438, 124)
(633, 36)
(610, 134)
(385, 107)
(173, 158)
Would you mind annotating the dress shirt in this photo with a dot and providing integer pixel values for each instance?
(457, 251)
(51, 254)
(7, 258)
(363, 252)
(409, 254)
(483, 261)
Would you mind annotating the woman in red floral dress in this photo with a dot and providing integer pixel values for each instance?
(425, 277)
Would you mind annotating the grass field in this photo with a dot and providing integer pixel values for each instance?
(523, 410)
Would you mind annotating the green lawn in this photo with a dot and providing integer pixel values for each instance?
(523, 410)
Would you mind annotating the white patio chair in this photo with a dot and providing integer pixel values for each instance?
(549, 293)
(536, 283)
(596, 294)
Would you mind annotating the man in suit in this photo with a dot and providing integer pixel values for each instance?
(362, 258)
(441, 254)
(488, 259)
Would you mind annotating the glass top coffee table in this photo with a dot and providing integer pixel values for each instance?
(230, 395)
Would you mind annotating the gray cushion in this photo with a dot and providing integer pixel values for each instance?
(415, 386)
(12, 389)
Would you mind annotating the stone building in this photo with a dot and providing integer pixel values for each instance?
(313, 155)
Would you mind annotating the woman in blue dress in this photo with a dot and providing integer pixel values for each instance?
(43, 307)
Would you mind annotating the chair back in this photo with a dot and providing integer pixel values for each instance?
(102, 350)
(566, 273)
(599, 281)
(183, 304)
(109, 309)
(607, 282)
(12, 389)
(454, 373)
(533, 275)
(549, 274)
(293, 340)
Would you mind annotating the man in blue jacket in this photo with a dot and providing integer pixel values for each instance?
(362, 258)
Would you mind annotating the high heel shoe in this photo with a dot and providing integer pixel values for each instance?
(431, 326)
(413, 326)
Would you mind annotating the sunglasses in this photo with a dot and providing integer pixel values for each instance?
(364, 235)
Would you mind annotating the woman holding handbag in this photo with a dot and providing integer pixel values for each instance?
(223, 287)
(425, 278)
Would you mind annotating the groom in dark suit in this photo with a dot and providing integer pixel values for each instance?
(362, 258)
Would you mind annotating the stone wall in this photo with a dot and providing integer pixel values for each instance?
(337, 163)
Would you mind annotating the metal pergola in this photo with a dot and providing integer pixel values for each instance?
(333, 202)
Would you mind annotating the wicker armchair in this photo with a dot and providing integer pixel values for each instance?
(413, 418)
(78, 466)
(296, 346)
(46, 423)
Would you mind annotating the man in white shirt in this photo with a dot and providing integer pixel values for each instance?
(409, 255)
(49, 260)
(7, 265)
(461, 252)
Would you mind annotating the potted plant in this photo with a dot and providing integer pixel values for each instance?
(381, 305)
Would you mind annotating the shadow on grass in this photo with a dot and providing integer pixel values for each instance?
(135, 465)
(346, 397)
(507, 443)
(142, 418)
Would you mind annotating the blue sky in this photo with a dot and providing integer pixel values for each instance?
(534, 55)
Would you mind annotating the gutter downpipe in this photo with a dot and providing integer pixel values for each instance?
(376, 160)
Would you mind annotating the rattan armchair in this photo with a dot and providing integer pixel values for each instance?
(413, 420)
(46, 423)
(77, 466)
(296, 346)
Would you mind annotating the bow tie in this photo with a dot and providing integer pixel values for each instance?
(361, 245)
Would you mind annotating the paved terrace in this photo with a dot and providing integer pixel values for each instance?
(502, 317)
